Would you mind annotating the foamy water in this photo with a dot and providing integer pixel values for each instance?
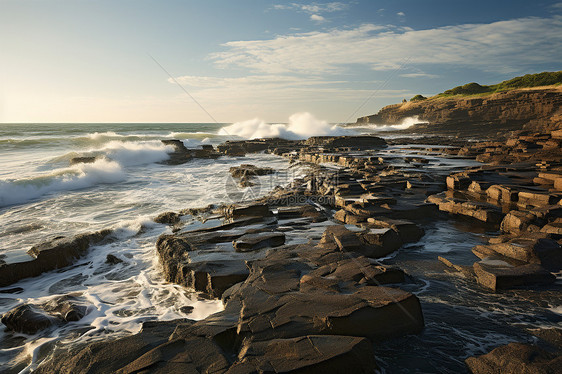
(42, 196)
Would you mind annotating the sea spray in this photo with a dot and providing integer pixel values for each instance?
(68, 179)
(406, 123)
(300, 126)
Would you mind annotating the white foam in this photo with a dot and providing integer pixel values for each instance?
(405, 124)
(75, 177)
(300, 126)
(135, 153)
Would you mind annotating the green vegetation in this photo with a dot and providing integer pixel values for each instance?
(418, 98)
(526, 81)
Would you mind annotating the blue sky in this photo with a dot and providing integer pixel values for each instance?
(89, 61)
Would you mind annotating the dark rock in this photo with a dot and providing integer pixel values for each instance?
(112, 259)
(54, 254)
(82, 160)
(253, 210)
(26, 319)
(170, 218)
(252, 242)
(246, 170)
(110, 356)
(515, 358)
(67, 308)
(310, 354)
(499, 275)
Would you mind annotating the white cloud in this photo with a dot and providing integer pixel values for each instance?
(317, 18)
(401, 14)
(504, 46)
(313, 8)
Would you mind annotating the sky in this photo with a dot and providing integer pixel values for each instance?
(226, 61)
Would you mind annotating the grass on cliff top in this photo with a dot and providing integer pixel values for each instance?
(526, 81)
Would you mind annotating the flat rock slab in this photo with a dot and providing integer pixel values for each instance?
(51, 255)
(498, 276)
(310, 354)
(516, 358)
(373, 312)
(252, 242)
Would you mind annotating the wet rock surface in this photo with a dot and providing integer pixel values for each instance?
(302, 274)
(51, 255)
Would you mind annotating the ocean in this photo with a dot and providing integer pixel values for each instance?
(42, 196)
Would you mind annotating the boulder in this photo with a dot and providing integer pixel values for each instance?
(499, 275)
(26, 319)
(169, 218)
(515, 358)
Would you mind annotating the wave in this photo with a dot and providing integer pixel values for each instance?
(73, 178)
(108, 168)
(300, 126)
(405, 124)
(134, 153)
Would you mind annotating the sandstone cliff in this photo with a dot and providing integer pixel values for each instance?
(531, 108)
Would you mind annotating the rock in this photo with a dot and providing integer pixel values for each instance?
(67, 308)
(499, 275)
(486, 213)
(302, 211)
(408, 231)
(247, 170)
(551, 335)
(212, 277)
(26, 319)
(170, 218)
(515, 358)
(252, 242)
(502, 193)
(112, 259)
(355, 271)
(253, 210)
(54, 254)
(373, 312)
(82, 160)
(310, 354)
(458, 182)
(193, 354)
(112, 355)
(544, 251)
(386, 238)
(361, 142)
(517, 221)
(552, 228)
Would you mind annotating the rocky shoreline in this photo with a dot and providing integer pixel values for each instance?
(534, 109)
(299, 271)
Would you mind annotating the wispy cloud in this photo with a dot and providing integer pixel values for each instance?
(401, 14)
(419, 75)
(504, 46)
(313, 8)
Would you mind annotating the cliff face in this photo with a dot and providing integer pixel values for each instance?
(536, 109)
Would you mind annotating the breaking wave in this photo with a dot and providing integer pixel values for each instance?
(300, 126)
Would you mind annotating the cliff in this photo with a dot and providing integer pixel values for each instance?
(529, 108)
